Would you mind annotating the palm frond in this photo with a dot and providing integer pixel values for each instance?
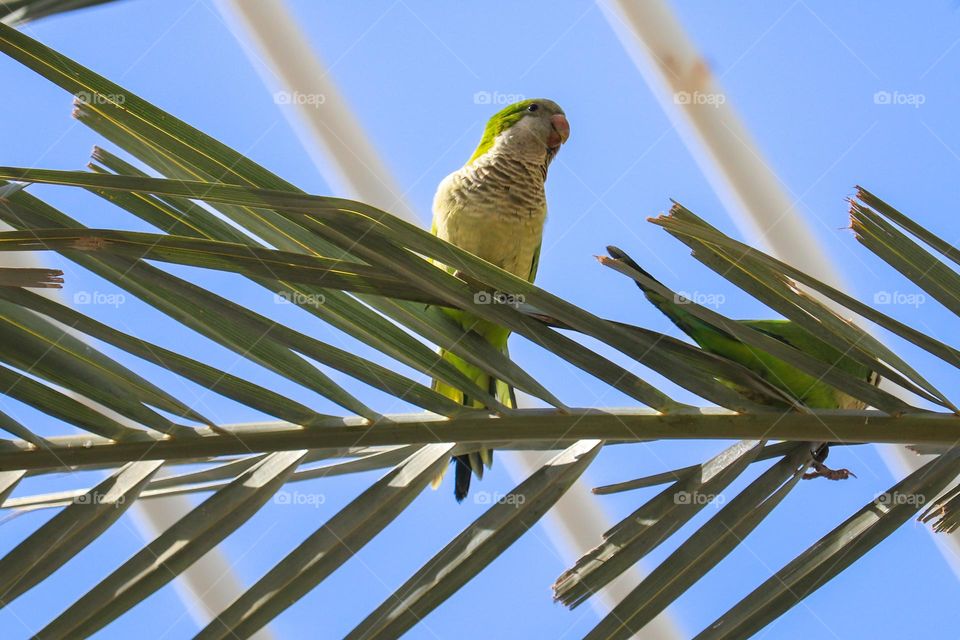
(376, 279)
(19, 12)
(704, 549)
(176, 548)
(478, 545)
(835, 551)
(32, 278)
(331, 545)
(89, 514)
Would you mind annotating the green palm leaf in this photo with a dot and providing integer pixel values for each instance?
(363, 272)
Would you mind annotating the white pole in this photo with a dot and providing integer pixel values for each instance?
(716, 137)
(300, 82)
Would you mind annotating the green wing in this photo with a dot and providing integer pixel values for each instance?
(535, 263)
(799, 338)
(809, 390)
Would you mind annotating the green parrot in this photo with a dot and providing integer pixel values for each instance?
(495, 207)
(810, 391)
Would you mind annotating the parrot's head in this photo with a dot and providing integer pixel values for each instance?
(532, 129)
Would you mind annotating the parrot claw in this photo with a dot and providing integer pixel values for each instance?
(821, 470)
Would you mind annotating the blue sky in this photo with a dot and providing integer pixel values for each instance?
(802, 75)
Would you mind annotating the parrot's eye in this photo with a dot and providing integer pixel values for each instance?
(533, 107)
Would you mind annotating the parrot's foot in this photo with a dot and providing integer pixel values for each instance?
(821, 470)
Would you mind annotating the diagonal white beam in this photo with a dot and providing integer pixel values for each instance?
(305, 88)
(717, 138)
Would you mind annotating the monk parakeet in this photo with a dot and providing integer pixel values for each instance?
(810, 391)
(494, 207)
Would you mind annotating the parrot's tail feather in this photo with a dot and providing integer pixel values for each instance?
(462, 475)
(486, 457)
(658, 300)
(619, 254)
(476, 464)
(470, 463)
(673, 309)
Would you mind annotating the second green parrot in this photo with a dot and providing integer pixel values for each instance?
(495, 207)
(807, 389)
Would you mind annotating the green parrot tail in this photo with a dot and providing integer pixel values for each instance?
(470, 464)
(673, 309)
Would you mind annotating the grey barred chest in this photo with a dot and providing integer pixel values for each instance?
(506, 237)
(508, 241)
(512, 188)
(494, 210)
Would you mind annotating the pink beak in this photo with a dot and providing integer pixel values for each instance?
(561, 130)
